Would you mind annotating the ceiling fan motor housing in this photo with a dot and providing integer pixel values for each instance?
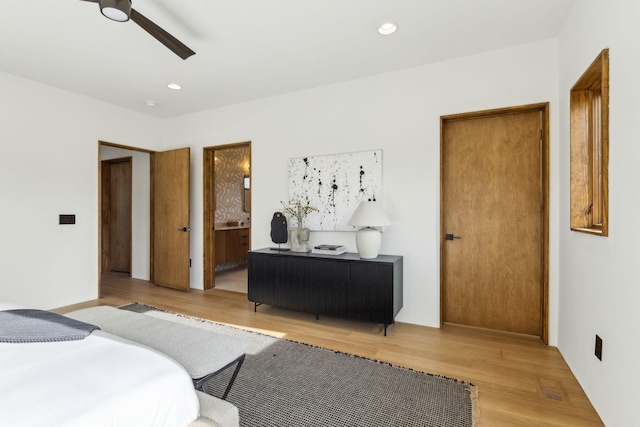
(121, 11)
(117, 10)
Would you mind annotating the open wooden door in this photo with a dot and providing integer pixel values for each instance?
(170, 230)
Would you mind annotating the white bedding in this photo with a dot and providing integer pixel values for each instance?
(102, 380)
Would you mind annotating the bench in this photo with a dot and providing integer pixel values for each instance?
(202, 353)
(215, 412)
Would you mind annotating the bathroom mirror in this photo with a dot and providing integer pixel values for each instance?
(247, 194)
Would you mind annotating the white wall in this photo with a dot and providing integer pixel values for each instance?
(600, 290)
(49, 166)
(140, 207)
(398, 113)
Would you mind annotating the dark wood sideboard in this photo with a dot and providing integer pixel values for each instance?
(343, 286)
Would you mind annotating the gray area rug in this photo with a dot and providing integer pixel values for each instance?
(285, 383)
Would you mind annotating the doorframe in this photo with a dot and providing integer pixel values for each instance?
(543, 108)
(209, 208)
(124, 147)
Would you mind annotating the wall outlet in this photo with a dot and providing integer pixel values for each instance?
(598, 351)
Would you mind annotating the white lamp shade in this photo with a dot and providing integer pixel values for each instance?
(369, 214)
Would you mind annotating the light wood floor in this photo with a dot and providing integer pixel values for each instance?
(521, 381)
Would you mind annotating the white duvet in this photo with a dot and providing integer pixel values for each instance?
(102, 380)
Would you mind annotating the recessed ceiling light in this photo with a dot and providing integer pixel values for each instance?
(174, 86)
(387, 28)
(151, 104)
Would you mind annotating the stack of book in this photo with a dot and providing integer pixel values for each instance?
(329, 250)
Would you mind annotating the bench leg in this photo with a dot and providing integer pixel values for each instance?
(233, 377)
(201, 383)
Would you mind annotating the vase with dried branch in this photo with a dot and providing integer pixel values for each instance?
(299, 236)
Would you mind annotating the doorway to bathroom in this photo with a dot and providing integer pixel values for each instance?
(227, 215)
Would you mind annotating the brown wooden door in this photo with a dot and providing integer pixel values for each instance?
(116, 215)
(170, 187)
(493, 203)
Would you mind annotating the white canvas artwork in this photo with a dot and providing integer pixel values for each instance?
(335, 184)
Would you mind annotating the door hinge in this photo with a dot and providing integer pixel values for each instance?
(189, 262)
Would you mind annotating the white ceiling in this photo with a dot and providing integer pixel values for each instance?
(250, 49)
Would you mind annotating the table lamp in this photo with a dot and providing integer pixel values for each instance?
(369, 214)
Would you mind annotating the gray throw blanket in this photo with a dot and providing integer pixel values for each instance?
(30, 325)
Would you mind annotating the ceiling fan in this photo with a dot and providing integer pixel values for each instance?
(121, 11)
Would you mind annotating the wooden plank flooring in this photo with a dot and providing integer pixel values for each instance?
(521, 381)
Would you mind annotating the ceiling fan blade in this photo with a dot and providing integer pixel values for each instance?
(161, 35)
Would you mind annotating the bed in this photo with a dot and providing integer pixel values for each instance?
(101, 380)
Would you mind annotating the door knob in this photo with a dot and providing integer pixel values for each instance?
(185, 229)
(451, 237)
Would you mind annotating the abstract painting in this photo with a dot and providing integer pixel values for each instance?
(335, 184)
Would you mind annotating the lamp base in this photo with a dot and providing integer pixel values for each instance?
(368, 241)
